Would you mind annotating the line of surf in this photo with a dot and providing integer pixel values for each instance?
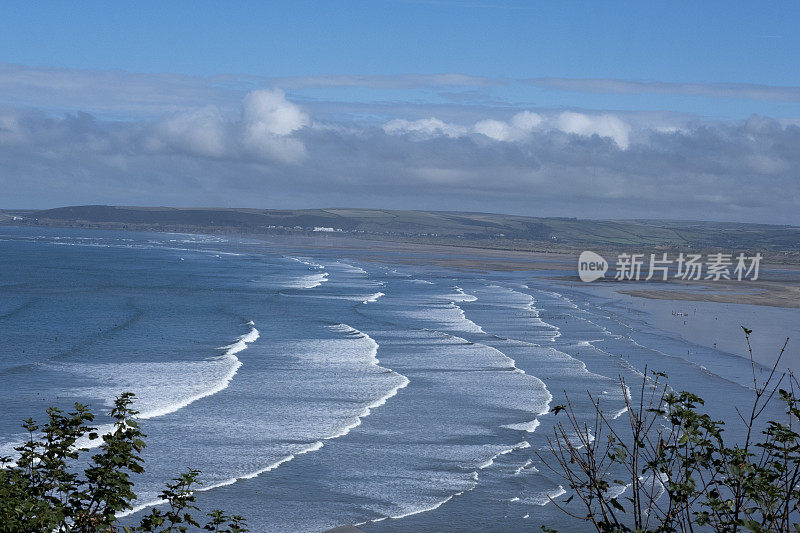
(474, 476)
(221, 384)
(526, 426)
(318, 444)
(404, 381)
(308, 281)
(531, 307)
(464, 296)
(373, 298)
(156, 502)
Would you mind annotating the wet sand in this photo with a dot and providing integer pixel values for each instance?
(715, 321)
(763, 293)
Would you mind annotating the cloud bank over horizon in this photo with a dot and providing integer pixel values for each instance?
(79, 137)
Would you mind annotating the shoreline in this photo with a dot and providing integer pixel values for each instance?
(767, 293)
(781, 288)
(717, 325)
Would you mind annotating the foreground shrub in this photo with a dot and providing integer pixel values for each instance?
(669, 467)
(44, 490)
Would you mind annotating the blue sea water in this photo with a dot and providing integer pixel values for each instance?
(315, 388)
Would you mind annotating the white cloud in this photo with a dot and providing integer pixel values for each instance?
(268, 118)
(588, 125)
(425, 128)
(268, 112)
(521, 125)
(455, 157)
(517, 129)
(201, 131)
(264, 131)
(494, 129)
(526, 120)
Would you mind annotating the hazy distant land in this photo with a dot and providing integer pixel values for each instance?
(481, 241)
(780, 244)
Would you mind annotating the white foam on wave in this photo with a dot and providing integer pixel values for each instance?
(229, 358)
(556, 295)
(474, 483)
(527, 303)
(528, 427)
(543, 407)
(471, 326)
(307, 282)
(374, 298)
(432, 507)
(364, 299)
(624, 409)
(545, 497)
(619, 413)
(555, 354)
(498, 359)
(462, 296)
(372, 359)
(541, 499)
(306, 261)
(449, 317)
(527, 467)
(535, 311)
(604, 330)
(154, 503)
(163, 388)
(651, 484)
(347, 267)
(489, 462)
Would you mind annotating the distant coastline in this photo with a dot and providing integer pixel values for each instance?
(471, 241)
(553, 235)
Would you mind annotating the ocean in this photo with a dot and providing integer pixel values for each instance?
(314, 388)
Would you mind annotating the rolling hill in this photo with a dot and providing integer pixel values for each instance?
(437, 227)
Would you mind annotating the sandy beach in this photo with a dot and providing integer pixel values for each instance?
(770, 293)
(715, 319)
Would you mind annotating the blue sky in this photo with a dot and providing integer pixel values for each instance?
(165, 86)
(676, 41)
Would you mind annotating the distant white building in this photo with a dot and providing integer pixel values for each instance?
(321, 228)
